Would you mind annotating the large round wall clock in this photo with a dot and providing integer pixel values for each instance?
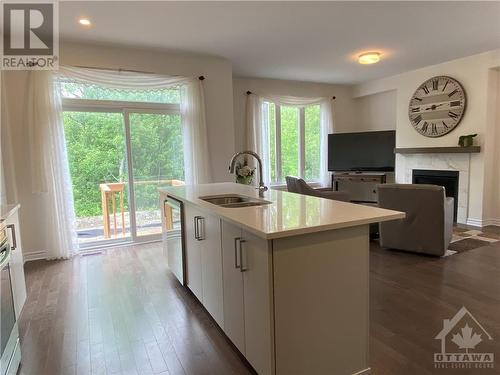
(437, 106)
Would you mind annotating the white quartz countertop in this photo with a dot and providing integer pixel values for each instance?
(289, 214)
(7, 210)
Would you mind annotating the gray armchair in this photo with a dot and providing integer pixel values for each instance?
(298, 185)
(428, 225)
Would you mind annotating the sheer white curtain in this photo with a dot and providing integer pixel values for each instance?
(258, 128)
(326, 120)
(119, 79)
(196, 161)
(49, 164)
(258, 134)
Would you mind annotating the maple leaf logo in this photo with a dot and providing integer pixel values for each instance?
(467, 340)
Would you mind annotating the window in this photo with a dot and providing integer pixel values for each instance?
(126, 139)
(294, 141)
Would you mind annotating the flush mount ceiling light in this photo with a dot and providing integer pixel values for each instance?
(84, 22)
(369, 58)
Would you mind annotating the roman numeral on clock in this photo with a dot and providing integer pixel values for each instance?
(417, 119)
(434, 129)
(415, 109)
(444, 87)
(425, 126)
(455, 103)
(452, 93)
(435, 84)
(426, 90)
(444, 124)
(452, 114)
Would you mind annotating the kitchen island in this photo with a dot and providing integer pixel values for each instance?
(284, 276)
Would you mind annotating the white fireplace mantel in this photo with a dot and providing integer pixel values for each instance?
(406, 163)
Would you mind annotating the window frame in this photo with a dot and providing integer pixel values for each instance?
(115, 106)
(279, 181)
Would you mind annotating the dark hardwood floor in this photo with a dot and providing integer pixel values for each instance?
(118, 313)
(122, 312)
(410, 295)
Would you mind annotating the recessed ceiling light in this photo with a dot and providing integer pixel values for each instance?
(84, 21)
(369, 58)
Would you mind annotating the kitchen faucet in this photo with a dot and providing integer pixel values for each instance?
(262, 188)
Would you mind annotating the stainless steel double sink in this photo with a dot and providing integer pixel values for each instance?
(234, 200)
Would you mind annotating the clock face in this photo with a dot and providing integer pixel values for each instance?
(437, 106)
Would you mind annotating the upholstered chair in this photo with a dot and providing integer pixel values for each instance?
(298, 185)
(428, 225)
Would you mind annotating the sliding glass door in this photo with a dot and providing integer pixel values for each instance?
(118, 158)
(98, 164)
(156, 158)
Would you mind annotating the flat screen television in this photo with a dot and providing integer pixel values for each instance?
(367, 151)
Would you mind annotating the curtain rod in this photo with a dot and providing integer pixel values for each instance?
(201, 78)
(333, 97)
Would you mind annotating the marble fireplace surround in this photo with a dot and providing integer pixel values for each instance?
(406, 163)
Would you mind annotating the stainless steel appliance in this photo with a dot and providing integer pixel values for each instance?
(174, 237)
(9, 339)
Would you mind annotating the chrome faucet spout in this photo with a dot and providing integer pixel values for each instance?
(262, 188)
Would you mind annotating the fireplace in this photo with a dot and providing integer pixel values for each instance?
(447, 179)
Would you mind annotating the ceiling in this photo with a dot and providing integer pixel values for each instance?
(305, 41)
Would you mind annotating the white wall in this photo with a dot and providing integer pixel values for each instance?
(345, 114)
(491, 198)
(496, 171)
(8, 186)
(219, 115)
(33, 206)
(474, 72)
(377, 111)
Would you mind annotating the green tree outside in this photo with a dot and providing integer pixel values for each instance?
(97, 153)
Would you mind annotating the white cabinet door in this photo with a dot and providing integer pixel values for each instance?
(193, 252)
(16, 263)
(204, 260)
(234, 324)
(211, 266)
(256, 262)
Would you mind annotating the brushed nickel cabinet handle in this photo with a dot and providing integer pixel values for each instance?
(196, 234)
(12, 227)
(236, 247)
(201, 228)
(242, 269)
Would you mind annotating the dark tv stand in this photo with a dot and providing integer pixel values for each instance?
(359, 177)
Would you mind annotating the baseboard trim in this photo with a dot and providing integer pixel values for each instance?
(363, 372)
(483, 223)
(474, 222)
(34, 255)
(491, 222)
